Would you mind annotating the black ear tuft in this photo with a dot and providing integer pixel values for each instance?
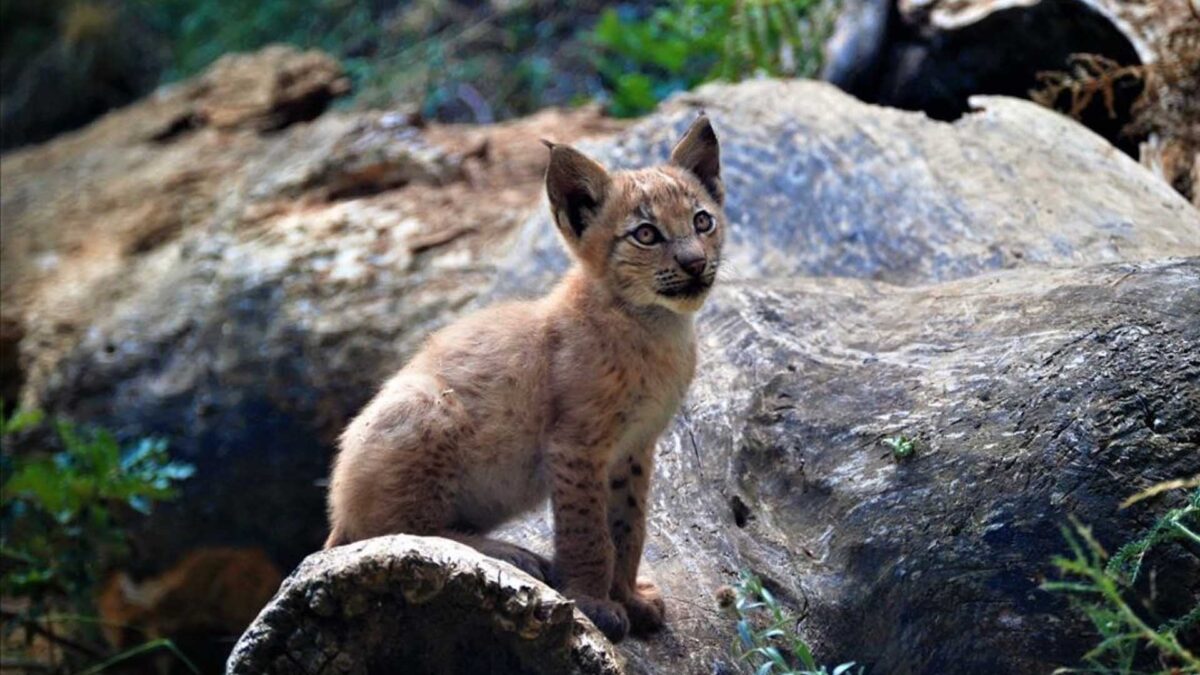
(577, 187)
(700, 153)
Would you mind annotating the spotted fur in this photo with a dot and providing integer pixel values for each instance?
(564, 396)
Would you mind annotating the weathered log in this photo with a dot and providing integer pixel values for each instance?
(418, 605)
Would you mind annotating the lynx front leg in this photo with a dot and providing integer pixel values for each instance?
(583, 551)
(629, 489)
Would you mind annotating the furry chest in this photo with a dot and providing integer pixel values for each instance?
(648, 406)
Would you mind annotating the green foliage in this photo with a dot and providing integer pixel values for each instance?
(1176, 524)
(456, 61)
(767, 642)
(63, 514)
(496, 60)
(644, 59)
(902, 446)
(1102, 590)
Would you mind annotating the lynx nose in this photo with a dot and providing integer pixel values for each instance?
(693, 264)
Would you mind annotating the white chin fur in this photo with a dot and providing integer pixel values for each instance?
(684, 305)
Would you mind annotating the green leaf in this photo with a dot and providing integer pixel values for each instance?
(802, 651)
(743, 629)
(140, 504)
(153, 645)
(776, 657)
(634, 95)
(768, 598)
(20, 421)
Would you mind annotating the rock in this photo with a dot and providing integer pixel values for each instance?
(419, 605)
(852, 54)
(993, 287)
(1166, 38)
(380, 152)
(822, 186)
(1032, 394)
(1019, 373)
(263, 91)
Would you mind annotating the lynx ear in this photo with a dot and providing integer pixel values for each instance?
(577, 187)
(699, 153)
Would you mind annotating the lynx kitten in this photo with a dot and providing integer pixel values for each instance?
(563, 396)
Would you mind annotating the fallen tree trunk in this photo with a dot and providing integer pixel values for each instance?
(418, 605)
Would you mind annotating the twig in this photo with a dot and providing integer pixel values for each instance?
(1159, 488)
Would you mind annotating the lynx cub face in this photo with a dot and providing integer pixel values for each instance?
(654, 235)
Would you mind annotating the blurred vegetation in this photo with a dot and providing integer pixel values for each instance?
(67, 61)
(64, 515)
(1132, 639)
(64, 63)
(643, 58)
(768, 641)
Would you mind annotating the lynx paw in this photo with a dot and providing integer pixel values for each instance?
(646, 610)
(609, 616)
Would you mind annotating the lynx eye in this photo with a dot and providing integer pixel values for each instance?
(704, 222)
(646, 234)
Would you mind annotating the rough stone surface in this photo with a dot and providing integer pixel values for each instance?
(1032, 394)
(419, 605)
(820, 185)
(262, 91)
(996, 288)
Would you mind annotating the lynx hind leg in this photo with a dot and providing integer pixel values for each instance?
(397, 472)
(335, 538)
(533, 564)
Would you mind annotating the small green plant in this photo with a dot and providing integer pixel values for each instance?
(902, 446)
(1102, 589)
(63, 516)
(644, 59)
(767, 642)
